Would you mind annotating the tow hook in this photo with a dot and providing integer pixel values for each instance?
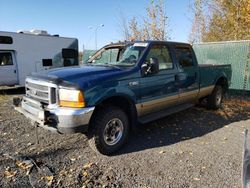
(17, 101)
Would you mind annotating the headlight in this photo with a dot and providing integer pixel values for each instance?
(71, 98)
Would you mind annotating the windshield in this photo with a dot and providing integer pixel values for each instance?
(126, 56)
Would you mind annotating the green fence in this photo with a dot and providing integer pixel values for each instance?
(236, 53)
(86, 54)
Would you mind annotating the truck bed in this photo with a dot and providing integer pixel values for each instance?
(209, 73)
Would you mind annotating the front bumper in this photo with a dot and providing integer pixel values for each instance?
(58, 119)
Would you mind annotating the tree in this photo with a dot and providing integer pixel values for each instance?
(80, 57)
(153, 26)
(225, 20)
(199, 23)
(123, 24)
(135, 32)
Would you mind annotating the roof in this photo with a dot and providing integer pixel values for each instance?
(33, 35)
(125, 43)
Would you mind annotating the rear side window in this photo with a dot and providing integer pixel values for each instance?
(184, 57)
(6, 40)
(5, 59)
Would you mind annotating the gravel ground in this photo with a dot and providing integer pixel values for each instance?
(194, 148)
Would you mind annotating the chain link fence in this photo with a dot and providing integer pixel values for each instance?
(87, 54)
(236, 53)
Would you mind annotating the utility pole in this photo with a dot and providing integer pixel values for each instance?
(96, 29)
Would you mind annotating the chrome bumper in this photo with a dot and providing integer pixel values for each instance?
(59, 119)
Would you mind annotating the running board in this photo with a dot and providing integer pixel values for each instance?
(163, 113)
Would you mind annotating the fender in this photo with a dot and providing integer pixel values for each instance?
(112, 92)
(119, 92)
(221, 75)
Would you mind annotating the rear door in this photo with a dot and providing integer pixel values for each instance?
(188, 75)
(8, 71)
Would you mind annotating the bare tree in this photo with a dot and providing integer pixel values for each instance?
(153, 26)
(123, 23)
(199, 22)
(135, 31)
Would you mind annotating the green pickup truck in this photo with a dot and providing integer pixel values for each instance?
(120, 86)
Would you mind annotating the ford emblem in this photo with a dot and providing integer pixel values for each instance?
(33, 92)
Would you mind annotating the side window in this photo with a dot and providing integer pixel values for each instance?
(70, 57)
(184, 57)
(47, 62)
(6, 40)
(162, 54)
(5, 59)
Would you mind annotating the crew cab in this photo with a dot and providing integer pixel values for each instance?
(121, 86)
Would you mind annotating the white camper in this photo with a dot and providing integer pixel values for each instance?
(32, 51)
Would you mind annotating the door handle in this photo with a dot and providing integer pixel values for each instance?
(180, 77)
(176, 77)
(15, 71)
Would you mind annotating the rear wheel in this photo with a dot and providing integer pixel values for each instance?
(109, 130)
(215, 98)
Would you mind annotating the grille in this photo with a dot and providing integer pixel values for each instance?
(40, 92)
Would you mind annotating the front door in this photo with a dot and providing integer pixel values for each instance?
(158, 91)
(8, 72)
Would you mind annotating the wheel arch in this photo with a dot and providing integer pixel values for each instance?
(223, 82)
(122, 101)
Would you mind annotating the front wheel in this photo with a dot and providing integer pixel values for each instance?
(109, 130)
(215, 98)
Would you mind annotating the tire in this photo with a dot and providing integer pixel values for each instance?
(109, 130)
(215, 98)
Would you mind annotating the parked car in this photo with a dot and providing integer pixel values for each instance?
(33, 51)
(146, 81)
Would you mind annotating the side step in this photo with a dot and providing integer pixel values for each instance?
(163, 113)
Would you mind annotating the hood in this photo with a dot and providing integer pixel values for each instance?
(78, 74)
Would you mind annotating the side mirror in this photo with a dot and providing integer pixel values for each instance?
(145, 69)
(150, 68)
(154, 63)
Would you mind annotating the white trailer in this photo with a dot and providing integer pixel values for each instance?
(32, 51)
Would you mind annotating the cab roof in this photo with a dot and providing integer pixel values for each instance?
(125, 43)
